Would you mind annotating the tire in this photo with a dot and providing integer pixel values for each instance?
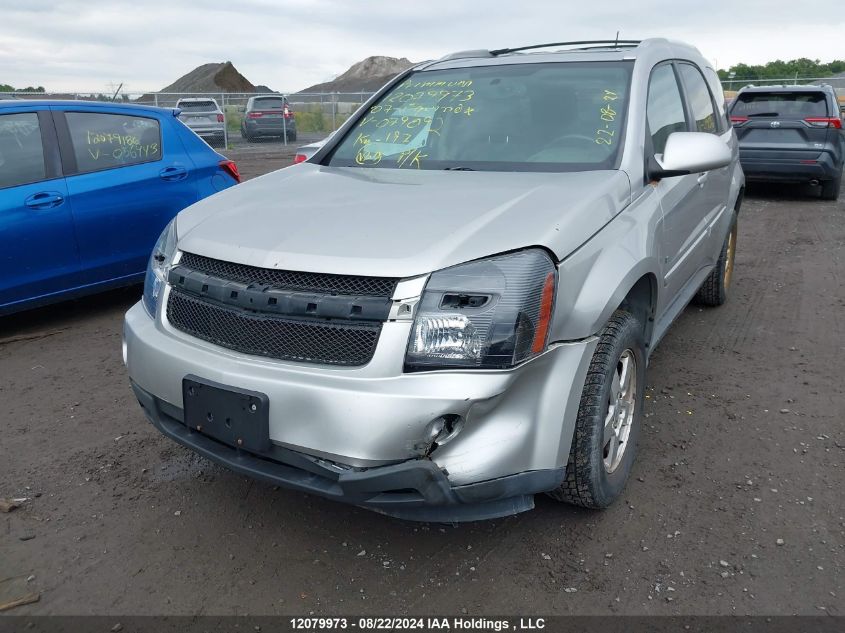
(246, 136)
(292, 137)
(594, 478)
(830, 188)
(714, 290)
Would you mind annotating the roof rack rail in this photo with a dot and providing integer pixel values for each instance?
(615, 47)
(627, 43)
(479, 52)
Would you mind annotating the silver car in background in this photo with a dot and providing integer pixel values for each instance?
(450, 306)
(204, 117)
(304, 152)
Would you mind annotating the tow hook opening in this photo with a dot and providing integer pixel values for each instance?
(439, 431)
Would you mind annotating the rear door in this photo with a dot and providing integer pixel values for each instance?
(783, 122)
(706, 117)
(38, 254)
(681, 197)
(127, 174)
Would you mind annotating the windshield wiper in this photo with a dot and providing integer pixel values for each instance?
(458, 168)
(764, 114)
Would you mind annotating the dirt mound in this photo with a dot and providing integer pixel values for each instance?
(219, 77)
(367, 75)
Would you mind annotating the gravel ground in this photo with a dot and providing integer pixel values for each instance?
(734, 507)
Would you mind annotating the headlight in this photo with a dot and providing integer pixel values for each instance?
(159, 266)
(489, 314)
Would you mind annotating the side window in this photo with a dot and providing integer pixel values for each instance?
(105, 141)
(719, 98)
(21, 152)
(665, 109)
(700, 100)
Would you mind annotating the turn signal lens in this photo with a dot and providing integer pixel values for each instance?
(541, 332)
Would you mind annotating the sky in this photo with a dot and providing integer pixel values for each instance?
(94, 45)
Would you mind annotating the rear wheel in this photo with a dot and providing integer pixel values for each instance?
(605, 441)
(830, 188)
(714, 290)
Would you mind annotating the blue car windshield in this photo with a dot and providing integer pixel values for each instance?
(519, 117)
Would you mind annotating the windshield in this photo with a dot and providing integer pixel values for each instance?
(521, 117)
(197, 106)
(799, 105)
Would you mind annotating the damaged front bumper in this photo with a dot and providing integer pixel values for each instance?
(359, 434)
(415, 489)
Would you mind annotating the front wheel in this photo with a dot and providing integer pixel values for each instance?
(605, 441)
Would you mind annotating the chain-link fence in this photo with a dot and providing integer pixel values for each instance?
(233, 120)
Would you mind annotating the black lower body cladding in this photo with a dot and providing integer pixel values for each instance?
(414, 490)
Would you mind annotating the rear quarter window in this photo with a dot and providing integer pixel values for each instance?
(107, 141)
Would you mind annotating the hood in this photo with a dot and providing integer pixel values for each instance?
(395, 223)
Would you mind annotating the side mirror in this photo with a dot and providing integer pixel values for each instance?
(689, 153)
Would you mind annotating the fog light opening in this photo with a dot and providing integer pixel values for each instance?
(445, 428)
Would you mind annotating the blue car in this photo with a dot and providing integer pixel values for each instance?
(85, 190)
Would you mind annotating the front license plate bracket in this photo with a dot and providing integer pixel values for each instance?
(238, 417)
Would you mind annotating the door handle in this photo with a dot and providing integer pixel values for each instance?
(44, 200)
(702, 178)
(175, 172)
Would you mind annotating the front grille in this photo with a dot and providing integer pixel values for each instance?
(292, 280)
(324, 342)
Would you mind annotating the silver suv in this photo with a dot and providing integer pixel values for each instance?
(452, 306)
(205, 118)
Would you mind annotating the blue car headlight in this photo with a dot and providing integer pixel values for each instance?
(158, 267)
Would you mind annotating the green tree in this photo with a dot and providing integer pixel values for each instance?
(779, 69)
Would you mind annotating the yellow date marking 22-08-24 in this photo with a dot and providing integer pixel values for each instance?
(604, 136)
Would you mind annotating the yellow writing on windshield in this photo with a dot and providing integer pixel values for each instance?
(459, 83)
(607, 114)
